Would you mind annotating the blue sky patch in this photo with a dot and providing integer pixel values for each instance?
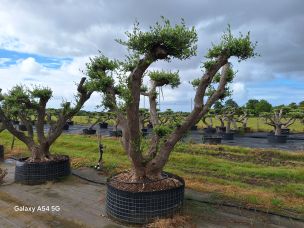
(8, 58)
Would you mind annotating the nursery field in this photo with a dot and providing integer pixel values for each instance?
(256, 124)
(265, 179)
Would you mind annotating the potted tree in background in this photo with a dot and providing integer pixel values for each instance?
(105, 118)
(242, 118)
(41, 166)
(228, 112)
(279, 119)
(146, 188)
(144, 120)
(218, 112)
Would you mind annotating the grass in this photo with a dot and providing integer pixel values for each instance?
(256, 124)
(259, 178)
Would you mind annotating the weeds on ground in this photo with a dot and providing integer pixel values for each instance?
(178, 221)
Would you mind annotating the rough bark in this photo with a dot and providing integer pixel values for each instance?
(135, 82)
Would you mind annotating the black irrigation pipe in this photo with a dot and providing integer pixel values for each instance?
(89, 180)
(210, 202)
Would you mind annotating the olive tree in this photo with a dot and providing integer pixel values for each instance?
(121, 83)
(22, 102)
(243, 117)
(280, 118)
(208, 119)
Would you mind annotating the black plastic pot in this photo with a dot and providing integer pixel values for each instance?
(88, 131)
(213, 140)
(1, 153)
(32, 173)
(209, 130)
(22, 127)
(71, 122)
(220, 129)
(144, 131)
(227, 136)
(117, 133)
(285, 131)
(143, 207)
(66, 127)
(193, 128)
(277, 138)
(103, 125)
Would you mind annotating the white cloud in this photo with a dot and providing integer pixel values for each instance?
(30, 66)
(78, 29)
(239, 92)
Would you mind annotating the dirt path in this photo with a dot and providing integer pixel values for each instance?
(82, 205)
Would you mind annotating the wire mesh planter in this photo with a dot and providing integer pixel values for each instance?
(285, 131)
(193, 128)
(89, 131)
(117, 133)
(103, 125)
(212, 139)
(227, 136)
(66, 127)
(22, 127)
(277, 138)
(209, 130)
(143, 207)
(32, 173)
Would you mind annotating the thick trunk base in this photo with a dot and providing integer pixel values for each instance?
(128, 181)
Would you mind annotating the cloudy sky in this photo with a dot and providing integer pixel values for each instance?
(48, 42)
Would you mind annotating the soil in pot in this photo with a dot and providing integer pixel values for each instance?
(31, 173)
(88, 131)
(1, 153)
(143, 201)
(277, 138)
(103, 125)
(227, 136)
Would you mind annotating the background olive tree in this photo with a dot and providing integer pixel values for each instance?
(121, 84)
(24, 104)
(281, 117)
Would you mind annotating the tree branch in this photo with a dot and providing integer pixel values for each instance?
(197, 113)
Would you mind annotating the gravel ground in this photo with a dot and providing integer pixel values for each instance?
(82, 205)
